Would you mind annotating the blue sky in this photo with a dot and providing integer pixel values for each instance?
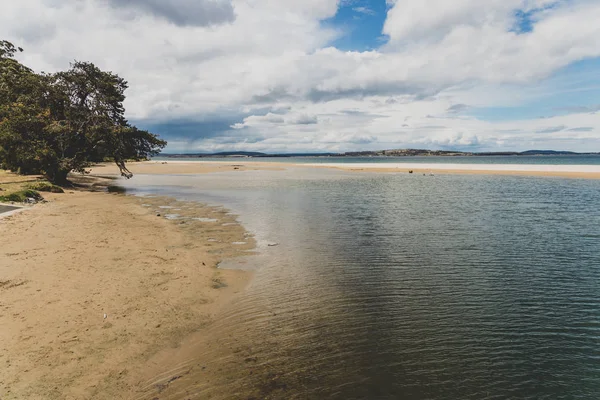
(361, 22)
(335, 75)
(572, 88)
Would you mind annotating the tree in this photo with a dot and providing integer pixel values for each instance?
(22, 118)
(62, 122)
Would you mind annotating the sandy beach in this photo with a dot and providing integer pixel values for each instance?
(194, 167)
(92, 285)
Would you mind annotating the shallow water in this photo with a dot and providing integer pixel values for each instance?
(402, 286)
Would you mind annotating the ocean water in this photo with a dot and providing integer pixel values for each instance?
(403, 287)
(535, 160)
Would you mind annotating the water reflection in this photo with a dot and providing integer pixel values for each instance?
(398, 286)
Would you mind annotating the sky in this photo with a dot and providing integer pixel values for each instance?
(286, 76)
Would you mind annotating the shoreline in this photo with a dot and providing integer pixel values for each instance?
(532, 170)
(94, 285)
(195, 167)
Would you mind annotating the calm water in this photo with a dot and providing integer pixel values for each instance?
(405, 287)
(550, 160)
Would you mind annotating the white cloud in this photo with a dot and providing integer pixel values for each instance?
(551, 129)
(418, 20)
(268, 66)
(364, 10)
(304, 119)
(259, 121)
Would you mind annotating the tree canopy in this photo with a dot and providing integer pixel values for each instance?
(53, 124)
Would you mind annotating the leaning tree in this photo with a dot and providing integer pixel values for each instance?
(57, 123)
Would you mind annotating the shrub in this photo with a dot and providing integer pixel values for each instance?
(21, 196)
(46, 187)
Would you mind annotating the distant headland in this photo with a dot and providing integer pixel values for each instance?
(377, 153)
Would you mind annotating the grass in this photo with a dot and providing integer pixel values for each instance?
(11, 182)
(21, 196)
(17, 188)
(45, 187)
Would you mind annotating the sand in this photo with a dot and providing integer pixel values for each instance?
(194, 167)
(565, 171)
(183, 167)
(93, 285)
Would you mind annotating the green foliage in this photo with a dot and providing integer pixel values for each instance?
(21, 196)
(56, 123)
(46, 187)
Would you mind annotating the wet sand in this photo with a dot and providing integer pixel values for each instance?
(565, 171)
(195, 167)
(184, 167)
(93, 285)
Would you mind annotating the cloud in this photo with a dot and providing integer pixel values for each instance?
(305, 119)
(263, 74)
(457, 108)
(476, 36)
(551, 129)
(453, 140)
(259, 120)
(427, 20)
(580, 109)
(364, 10)
(349, 138)
(184, 129)
(182, 12)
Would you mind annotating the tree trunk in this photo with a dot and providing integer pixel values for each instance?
(58, 176)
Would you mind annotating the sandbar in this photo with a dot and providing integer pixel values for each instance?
(197, 167)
